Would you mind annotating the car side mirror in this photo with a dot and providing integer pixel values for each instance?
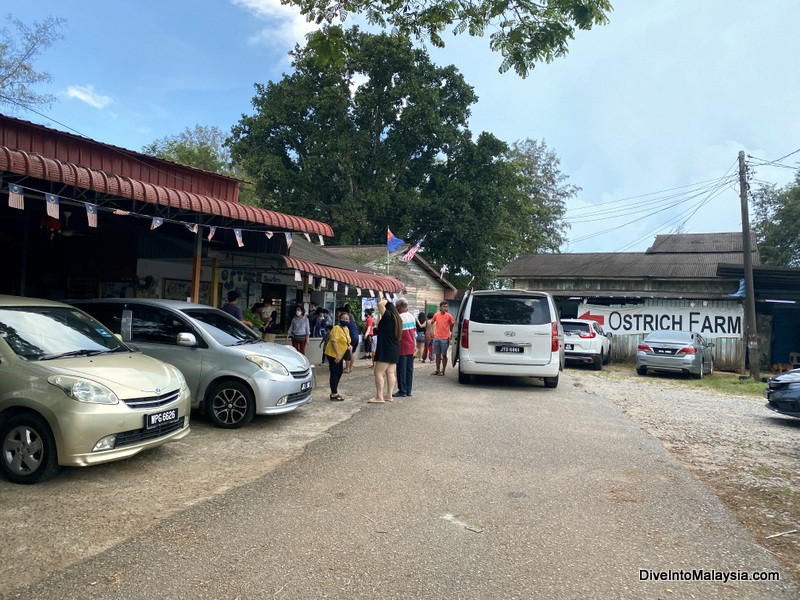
(609, 335)
(711, 344)
(186, 339)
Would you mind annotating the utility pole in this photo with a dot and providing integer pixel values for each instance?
(749, 290)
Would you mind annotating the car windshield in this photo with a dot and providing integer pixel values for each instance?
(222, 327)
(50, 332)
(510, 310)
(575, 327)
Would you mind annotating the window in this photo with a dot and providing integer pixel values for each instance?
(510, 310)
(156, 325)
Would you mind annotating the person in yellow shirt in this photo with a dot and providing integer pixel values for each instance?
(335, 350)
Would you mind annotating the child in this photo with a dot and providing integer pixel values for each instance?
(325, 337)
(373, 347)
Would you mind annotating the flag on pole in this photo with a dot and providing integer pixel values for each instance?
(238, 234)
(191, 227)
(288, 239)
(157, 222)
(414, 249)
(211, 231)
(91, 214)
(52, 205)
(392, 241)
(15, 197)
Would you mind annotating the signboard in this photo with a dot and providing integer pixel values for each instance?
(710, 322)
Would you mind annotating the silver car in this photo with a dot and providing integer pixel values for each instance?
(233, 375)
(73, 394)
(675, 351)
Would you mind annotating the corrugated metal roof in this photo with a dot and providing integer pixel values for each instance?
(700, 243)
(49, 169)
(641, 294)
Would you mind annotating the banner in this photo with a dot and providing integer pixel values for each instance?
(708, 321)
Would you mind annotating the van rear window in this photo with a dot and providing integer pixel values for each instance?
(510, 310)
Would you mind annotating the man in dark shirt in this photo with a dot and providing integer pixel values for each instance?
(233, 308)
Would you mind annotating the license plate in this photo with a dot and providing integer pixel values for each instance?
(568, 346)
(305, 386)
(662, 351)
(161, 418)
(510, 349)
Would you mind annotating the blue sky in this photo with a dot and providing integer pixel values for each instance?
(646, 112)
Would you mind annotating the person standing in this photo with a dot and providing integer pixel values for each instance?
(369, 330)
(405, 364)
(271, 326)
(299, 331)
(335, 349)
(443, 326)
(351, 323)
(427, 352)
(387, 350)
(421, 322)
(233, 309)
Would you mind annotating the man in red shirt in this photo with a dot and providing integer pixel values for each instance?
(443, 326)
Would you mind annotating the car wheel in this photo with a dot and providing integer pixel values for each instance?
(231, 405)
(699, 374)
(551, 382)
(463, 377)
(598, 364)
(641, 370)
(608, 358)
(29, 450)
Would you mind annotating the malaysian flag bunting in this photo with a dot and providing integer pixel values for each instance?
(371, 294)
(157, 222)
(288, 239)
(298, 276)
(52, 205)
(335, 286)
(346, 289)
(358, 291)
(268, 234)
(392, 241)
(321, 241)
(15, 197)
(191, 227)
(310, 278)
(308, 237)
(323, 283)
(121, 213)
(414, 249)
(211, 231)
(238, 234)
(91, 214)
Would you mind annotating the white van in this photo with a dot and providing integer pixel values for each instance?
(514, 333)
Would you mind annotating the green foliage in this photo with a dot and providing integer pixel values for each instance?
(20, 45)
(523, 32)
(396, 151)
(777, 223)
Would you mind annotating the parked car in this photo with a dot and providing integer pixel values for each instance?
(509, 333)
(72, 394)
(233, 375)
(586, 343)
(783, 393)
(675, 351)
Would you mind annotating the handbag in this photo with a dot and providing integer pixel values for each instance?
(298, 338)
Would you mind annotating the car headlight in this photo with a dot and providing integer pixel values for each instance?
(84, 390)
(792, 386)
(181, 379)
(267, 364)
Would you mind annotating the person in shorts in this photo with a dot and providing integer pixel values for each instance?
(443, 323)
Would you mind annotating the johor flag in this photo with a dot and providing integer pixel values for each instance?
(52, 205)
(288, 239)
(410, 254)
(392, 241)
(238, 234)
(15, 197)
(157, 222)
(91, 214)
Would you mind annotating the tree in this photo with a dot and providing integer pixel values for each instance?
(202, 148)
(396, 152)
(777, 224)
(524, 33)
(20, 45)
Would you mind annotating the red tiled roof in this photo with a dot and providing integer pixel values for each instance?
(368, 281)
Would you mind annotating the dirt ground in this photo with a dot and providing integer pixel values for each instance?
(747, 455)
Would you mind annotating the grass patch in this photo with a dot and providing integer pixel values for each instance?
(721, 382)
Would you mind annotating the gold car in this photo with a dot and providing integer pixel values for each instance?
(72, 394)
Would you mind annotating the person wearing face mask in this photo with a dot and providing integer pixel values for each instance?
(335, 350)
(299, 331)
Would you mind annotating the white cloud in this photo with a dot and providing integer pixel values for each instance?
(285, 24)
(86, 93)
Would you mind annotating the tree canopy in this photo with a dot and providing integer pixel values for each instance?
(777, 224)
(524, 33)
(381, 139)
(20, 45)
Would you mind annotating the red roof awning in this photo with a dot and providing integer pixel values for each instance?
(383, 283)
(49, 169)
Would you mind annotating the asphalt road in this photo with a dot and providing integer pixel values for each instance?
(501, 489)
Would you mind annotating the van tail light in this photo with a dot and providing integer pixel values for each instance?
(554, 337)
(687, 350)
(465, 334)
(644, 348)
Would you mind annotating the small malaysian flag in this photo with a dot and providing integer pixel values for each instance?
(121, 213)
(288, 239)
(211, 232)
(15, 196)
(238, 234)
(157, 222)
(52, 205)
(191, 227)
(91, 214)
